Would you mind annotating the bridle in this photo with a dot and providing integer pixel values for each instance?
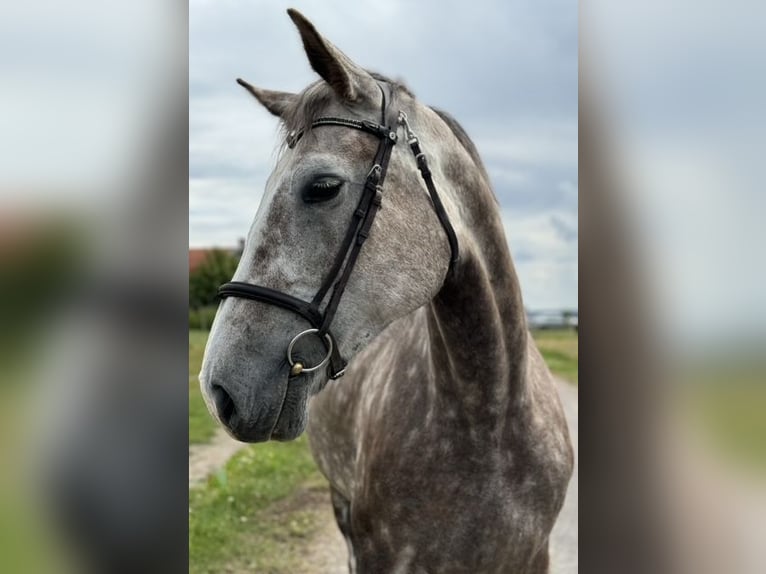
(357, 233)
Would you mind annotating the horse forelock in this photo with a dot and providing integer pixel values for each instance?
(312, 102)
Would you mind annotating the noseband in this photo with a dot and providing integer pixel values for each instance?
(357, 233)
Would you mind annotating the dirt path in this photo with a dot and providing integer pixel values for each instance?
(325, 550)
(205, 459)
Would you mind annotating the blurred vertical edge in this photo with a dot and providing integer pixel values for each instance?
(672, 287)
(93, 287)
(620, 529)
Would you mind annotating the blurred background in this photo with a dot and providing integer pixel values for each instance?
(93, 241)
(673, 285)
(97, 429)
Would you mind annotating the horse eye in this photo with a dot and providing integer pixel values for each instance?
(322, 189)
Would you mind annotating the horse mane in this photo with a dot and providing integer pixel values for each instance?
(464, 140)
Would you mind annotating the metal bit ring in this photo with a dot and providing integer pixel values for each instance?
(304, 369)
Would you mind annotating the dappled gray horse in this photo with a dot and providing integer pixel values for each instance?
(445, 443)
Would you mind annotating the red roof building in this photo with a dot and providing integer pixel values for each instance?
(197, 257)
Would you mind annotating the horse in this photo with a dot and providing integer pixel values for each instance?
(445, 443)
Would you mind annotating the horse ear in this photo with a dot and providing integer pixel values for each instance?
(349, 81)
(275, 102)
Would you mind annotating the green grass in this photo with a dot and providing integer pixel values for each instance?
(235, 523)
(559, 349)
(201, 425)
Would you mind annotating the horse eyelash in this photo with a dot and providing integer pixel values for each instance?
(326, 184)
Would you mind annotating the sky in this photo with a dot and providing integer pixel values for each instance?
(685, 90)
(507, 71)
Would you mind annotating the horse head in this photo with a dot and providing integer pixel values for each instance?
(298, 245)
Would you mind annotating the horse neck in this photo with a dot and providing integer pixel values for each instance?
(477, 322)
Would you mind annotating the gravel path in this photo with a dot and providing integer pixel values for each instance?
(564, 538)
(326, 553)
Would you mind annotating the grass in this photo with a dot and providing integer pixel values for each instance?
(201, 425)
(235, 520)
(559, 349)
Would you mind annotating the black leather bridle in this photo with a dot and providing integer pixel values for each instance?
(357, 233)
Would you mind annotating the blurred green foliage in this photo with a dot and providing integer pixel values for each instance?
(204, 281)
(39, 266)
(202, 318)
(201, 424)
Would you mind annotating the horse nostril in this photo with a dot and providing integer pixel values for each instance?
(223, 403)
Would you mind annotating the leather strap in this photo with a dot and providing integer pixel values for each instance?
(268, 295)
(441, 213)
(378, 130)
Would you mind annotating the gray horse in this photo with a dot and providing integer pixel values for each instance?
(445, 444)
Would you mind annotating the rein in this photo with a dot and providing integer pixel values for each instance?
(357, 233)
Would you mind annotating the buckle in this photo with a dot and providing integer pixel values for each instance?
(374, 173)
(374, 128)
(338, 375)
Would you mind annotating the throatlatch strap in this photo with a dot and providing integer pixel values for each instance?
(441, 213)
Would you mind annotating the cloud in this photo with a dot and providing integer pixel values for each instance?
(506, 71)
(544, 249)
(221, 210)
